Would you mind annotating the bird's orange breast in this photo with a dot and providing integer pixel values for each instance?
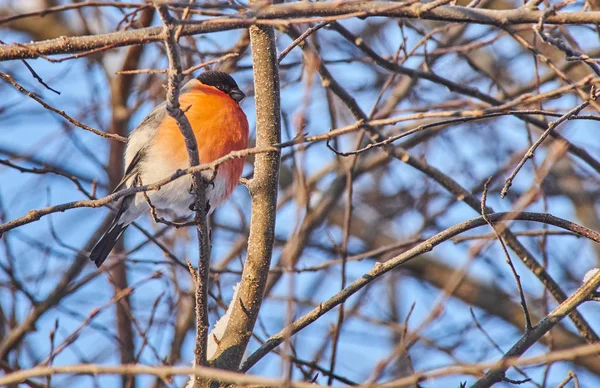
(220, 127)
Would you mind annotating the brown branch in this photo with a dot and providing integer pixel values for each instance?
(68, 7)
(186, 71)
(7, 369)
(435, 270)
(299, 40)
(263, 190)
(506, 254)
(175, 77)
(164, 372)
(476, 369)
(452, 86)
(285, 14)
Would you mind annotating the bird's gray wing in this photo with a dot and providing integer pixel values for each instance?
(139, 140)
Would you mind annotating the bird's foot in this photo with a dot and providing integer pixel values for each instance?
(211, 183)
(193, 207)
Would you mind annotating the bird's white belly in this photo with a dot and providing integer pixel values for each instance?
(174, 196)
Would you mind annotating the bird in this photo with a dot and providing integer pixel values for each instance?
(156, 150)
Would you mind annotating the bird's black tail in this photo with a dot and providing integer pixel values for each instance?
(103, 247)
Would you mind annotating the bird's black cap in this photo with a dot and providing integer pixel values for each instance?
(222, 81)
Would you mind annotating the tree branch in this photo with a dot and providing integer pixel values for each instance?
(198, 186)
(295, 13)
(496, 374)
(263, 190)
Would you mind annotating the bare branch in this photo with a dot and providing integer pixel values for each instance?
(263, 189)
(296, 13)
(198, 186)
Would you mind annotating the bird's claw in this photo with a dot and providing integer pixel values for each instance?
(193, 207)
(211, 183)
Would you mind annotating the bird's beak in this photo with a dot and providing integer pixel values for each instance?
(237, 95)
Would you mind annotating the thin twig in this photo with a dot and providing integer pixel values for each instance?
(551, 127)
(516, 276)
(34, 97)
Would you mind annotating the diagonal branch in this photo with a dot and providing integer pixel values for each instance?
(382, 268)
(496, 374)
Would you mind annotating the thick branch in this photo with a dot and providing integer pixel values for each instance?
(296, 13)
(166, 372)
(263, 190)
